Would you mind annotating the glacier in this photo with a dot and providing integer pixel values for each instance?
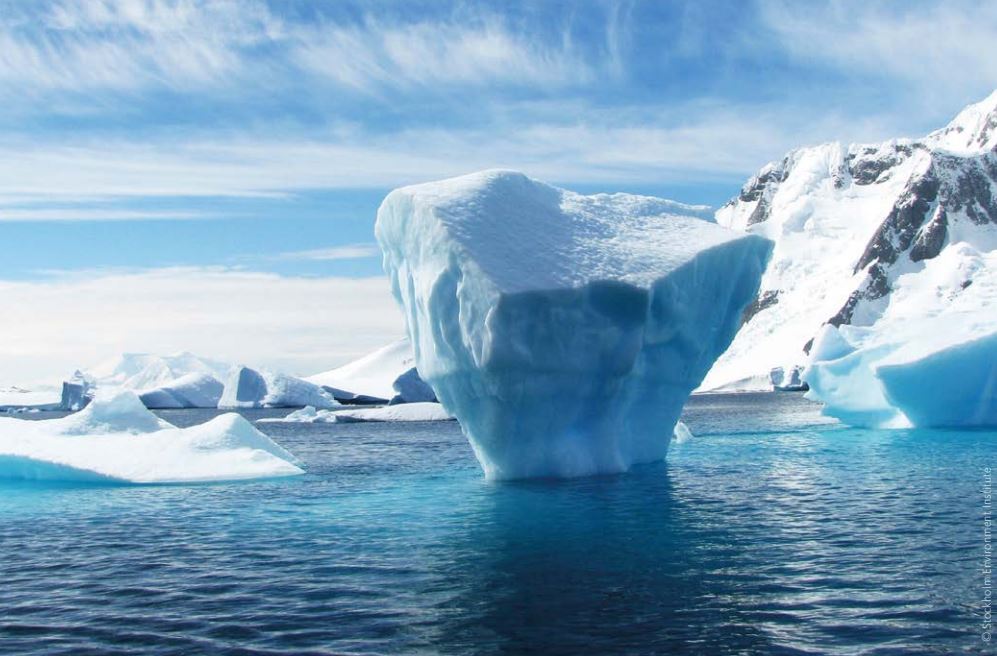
(117, 439)
(565, 332)
(857, 230)
(250, 388)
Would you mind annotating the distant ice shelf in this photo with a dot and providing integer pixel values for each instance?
(424, 411)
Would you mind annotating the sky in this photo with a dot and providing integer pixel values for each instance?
(204, 176)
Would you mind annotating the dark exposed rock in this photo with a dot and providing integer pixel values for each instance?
(876, 285)
(760, 213)
(764, 300)
(898, 231)
(930, 241)
(868, 171)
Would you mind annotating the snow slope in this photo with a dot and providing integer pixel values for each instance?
(116, 439)
(856, 229)
(565, 332)
(387, 374)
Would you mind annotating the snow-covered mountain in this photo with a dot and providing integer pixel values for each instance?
(865, 235)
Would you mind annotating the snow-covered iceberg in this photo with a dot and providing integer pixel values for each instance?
(930, 360)
(564, 332)
(249, 388)
(194, 390)
(386, 375)
(116, 439)
(426, 411)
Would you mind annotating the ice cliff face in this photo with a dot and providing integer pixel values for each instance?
(863, 233)
(565, 332)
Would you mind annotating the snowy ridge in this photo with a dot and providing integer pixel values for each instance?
(855, 229)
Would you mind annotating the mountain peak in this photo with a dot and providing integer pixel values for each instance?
(973, 130)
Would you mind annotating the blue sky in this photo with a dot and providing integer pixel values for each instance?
(249, 143)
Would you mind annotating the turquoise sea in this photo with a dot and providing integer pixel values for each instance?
(772, 531)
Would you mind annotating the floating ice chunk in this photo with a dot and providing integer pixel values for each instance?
(426, 411)
(249, 388)
(116, 438)
(565, 332)
(920, 381)
(681, 433)
(954, 386)
(787, 379)
(410, 388)
(190, 391)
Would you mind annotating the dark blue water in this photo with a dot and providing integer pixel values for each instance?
(767, 533)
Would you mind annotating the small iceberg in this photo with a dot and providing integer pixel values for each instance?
(938, 379)
(249, 388)
(426, 411)
(116, 439)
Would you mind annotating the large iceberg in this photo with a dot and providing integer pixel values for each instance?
(249, 388)
(565, 332)
(116, 439)
(929, 360)
(388, 375)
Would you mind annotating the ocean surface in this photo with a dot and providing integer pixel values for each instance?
(772, 531)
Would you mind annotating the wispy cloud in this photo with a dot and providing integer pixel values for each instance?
(300, 325)
(93, 214)
(128, 45)
(347, 252)
(684, 143)
(485, 51)
(939, 48)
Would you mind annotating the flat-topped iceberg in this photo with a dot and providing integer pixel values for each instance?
(116, 439)
(249, 388)
(565, 332)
